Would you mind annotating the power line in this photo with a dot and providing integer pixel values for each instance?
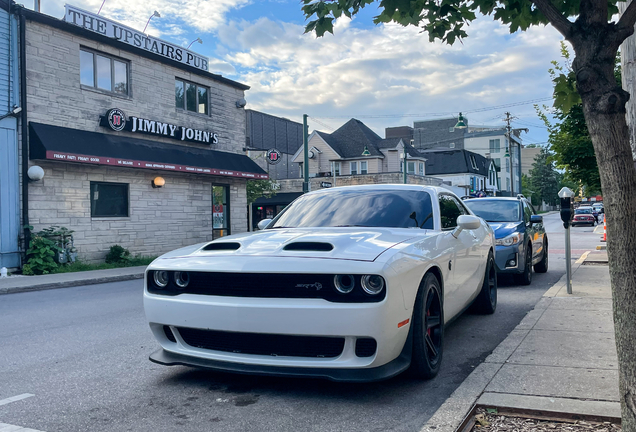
(436, 114)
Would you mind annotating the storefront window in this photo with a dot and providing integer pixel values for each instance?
(103, 72)
(191, 97)
(109, 199)
(220, 212)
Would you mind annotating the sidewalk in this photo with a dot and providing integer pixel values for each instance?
(16, 284)
(560, 361)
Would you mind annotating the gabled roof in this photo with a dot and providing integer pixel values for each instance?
(350, 139)
(454, 162)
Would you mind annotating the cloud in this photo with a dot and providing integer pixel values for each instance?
(386, 70)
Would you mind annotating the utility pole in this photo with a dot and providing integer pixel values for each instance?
(508, 119)
(306, 148)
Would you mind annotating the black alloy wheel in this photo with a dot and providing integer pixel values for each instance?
(542, 266)
(486, 301)
(428, 329)
(525, 278)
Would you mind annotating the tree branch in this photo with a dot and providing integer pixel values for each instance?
(556, 18)
(628, 19)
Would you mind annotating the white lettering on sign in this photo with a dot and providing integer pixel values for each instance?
(130, 36)
(167, 129)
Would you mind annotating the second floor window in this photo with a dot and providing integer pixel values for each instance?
(103, 72)
(364, 167)
(191, 97)
(507, 165)
(354, 168)
(495, 146)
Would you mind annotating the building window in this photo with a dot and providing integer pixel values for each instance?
(354, 167)
(336, 168)
(507, 165)
(410, 167)
(103, 72)
(451, 145)
(364, 167)
(473, 163)
(421, 168)
(495, 146)
(191, 97)
(507, 184)
(498, 163)
(109, 199)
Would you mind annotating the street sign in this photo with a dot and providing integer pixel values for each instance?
(325, 184)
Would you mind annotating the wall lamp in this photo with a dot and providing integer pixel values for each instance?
(35, 173)
(241, 103)
(158, 182)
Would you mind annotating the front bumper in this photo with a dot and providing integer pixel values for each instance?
(503, 257)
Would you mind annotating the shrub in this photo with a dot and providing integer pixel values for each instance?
(118, 255)
(40, 256)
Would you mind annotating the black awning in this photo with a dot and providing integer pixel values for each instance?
(73, 145)
(283, 198)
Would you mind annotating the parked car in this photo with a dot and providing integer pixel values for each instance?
(350, 284)
(584, 216)
(521, 239)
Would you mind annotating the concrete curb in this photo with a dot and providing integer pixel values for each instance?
(72, 280)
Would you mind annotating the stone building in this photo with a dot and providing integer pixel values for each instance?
(140, 144)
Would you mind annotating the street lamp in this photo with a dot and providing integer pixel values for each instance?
(460, 122)
(196, 40)
(155, 14)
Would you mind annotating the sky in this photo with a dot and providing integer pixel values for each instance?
(383, 75)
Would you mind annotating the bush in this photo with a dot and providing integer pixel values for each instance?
(40, 256)
(118, 255)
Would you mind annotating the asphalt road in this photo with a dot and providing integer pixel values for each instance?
(83, 354)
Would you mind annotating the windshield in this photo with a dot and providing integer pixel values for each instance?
(363, 208)
(495, 210)
(583, 211)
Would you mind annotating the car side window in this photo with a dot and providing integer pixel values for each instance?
(449, 210)
(527, 212)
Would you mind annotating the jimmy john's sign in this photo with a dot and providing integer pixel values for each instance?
(130, 36)
(116, 120)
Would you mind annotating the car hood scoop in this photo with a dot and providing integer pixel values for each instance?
(340, 243)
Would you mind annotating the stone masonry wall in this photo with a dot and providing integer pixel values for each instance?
(160, 220)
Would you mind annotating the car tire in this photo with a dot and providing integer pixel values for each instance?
(525, 278)
(542, 266)
(486, 301)
(428, 329)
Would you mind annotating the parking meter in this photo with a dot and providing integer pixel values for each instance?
(567, 206)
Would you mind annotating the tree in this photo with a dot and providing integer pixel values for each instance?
(568, 136)
(544, 179)
(595, 42)
(528, 192)
(260, 188)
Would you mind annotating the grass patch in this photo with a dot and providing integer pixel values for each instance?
(79, 266)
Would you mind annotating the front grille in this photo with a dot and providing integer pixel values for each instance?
(263, 344)
(168, 333)
(266, 285)
(366, 347)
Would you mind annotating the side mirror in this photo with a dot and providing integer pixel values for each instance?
(536, 219)
(263, 224)
(467, 222)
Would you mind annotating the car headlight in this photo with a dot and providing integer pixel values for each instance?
(160, 278)
(344, 283)
(510, 240)
(181, 279)
(372, 284)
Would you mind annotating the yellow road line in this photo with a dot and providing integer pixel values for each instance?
(582, 258)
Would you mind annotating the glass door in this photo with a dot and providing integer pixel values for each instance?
(220, 211)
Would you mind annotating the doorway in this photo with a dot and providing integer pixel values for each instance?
(220, 211)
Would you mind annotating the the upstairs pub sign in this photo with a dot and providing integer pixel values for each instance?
(117, 121)
(130, 36)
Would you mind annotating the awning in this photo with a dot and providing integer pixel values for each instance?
(283, 198)
(73, 145)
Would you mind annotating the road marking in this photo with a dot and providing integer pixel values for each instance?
(4, 427)
(14, 399)
(582, 258)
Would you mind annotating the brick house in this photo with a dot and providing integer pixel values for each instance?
(140, 144)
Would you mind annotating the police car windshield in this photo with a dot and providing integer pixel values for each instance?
(493, 210)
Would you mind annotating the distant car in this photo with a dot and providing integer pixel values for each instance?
(584, 216)
(520, 236)
(599, 208)
(350, 284)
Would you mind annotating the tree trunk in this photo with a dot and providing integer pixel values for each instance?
(628, 73)
(604, 108)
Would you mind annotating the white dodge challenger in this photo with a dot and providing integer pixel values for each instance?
(349, 284)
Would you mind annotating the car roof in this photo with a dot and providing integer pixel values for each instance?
(494, 199)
